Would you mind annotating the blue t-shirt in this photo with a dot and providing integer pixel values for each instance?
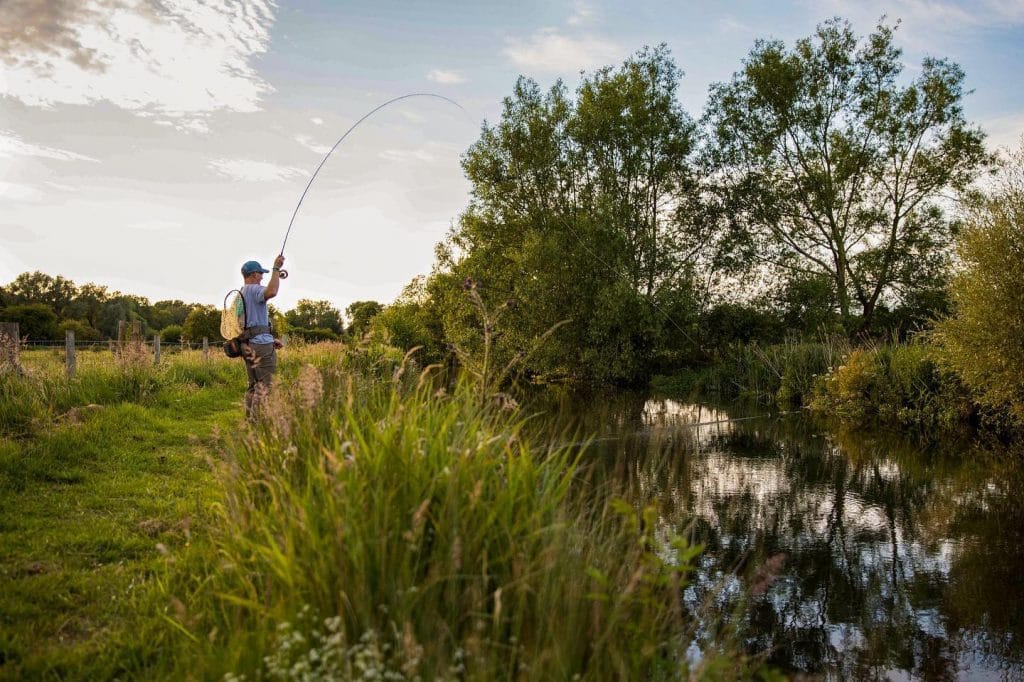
(256, 314)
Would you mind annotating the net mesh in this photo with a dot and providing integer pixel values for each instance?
(231, 317)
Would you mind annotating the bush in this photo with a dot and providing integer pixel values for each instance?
(82, 330)
(900, 384)
(981, 342)
(37, 321)
(171, 333)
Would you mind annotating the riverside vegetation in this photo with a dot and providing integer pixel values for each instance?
(381, 522)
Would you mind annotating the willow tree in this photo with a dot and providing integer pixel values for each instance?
(580, 213)
(832, 163)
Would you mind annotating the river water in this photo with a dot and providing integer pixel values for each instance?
(840, 555)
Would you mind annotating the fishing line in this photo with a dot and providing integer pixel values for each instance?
(579, 239)
(342, 139)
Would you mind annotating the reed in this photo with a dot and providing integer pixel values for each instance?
(409, 530)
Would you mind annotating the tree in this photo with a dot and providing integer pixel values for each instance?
(359, 314)
(165, 313)
(121, 308)
(830, 167)
(310, 314)
(412, 321)
(37, 321)
(981, 342)
(202, 321)
(88, 303)
(579, 213)
(37, 287)
(81, 328)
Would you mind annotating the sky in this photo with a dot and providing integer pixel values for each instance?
(153, 146)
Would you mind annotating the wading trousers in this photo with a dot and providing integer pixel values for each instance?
(260, 367)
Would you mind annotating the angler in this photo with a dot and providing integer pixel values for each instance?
(249, 332)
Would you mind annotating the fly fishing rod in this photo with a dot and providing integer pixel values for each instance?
(284, 273)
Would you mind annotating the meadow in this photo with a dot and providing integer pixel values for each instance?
(383, 521)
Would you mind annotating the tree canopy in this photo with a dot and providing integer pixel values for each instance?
(829, 165)
(580, 212)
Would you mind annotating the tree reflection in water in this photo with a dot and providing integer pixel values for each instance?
(901, 560)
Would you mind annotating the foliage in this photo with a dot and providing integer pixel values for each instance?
(831, 168)
(981, 342)
(171, 333)
(412, 321)
(37, 321)
(582, 211)
(39, 288)
(360, 314)
(202, 321)
(781, 375)
(81, 328)
(727, 323)
(900, 385)
(309, 314)
(163, 314)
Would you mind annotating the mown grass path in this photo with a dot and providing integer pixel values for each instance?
(91, 507)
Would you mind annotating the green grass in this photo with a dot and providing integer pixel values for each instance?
(373, 522)
(85, 500)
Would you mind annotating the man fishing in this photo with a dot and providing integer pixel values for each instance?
(261, 361)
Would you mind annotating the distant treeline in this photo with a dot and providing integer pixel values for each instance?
(46, 306)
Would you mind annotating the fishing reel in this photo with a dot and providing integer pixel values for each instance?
(282, 274)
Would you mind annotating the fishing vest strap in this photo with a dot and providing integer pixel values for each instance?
(257, 330)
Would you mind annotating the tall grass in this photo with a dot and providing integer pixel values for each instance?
(897, 384)
(780, 374)
(41, 393)
(404, 530)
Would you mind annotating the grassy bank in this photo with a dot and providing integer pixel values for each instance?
(378, 524)
(904, 385)
(98, 477)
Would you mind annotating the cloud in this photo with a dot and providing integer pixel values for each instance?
(730, 25)
(307, 142)
(1005, 132)
(176, 61)
(248, 170)
(925, 23)
(445, 77)
(11, 146)
(317, 121)
(14, 191)
(550, 51)
(408, 155)
(582, 12)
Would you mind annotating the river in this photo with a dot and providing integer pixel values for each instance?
(837, 554)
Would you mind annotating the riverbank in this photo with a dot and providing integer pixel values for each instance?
(380, 523)
(899, 385)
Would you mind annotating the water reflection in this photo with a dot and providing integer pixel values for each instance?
(901, 561)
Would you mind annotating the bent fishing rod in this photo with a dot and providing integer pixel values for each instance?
(284, 273)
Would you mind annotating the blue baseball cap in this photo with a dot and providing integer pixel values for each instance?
(251, 267)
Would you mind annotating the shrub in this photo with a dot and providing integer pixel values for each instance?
(981, 342)
(171, 333)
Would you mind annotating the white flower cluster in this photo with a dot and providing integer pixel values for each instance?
(324, 655)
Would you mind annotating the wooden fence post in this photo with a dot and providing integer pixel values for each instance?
(206, 348)
(137, 336)
(156, 348)
(120, 335)
(69, 352)
(10, 340)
